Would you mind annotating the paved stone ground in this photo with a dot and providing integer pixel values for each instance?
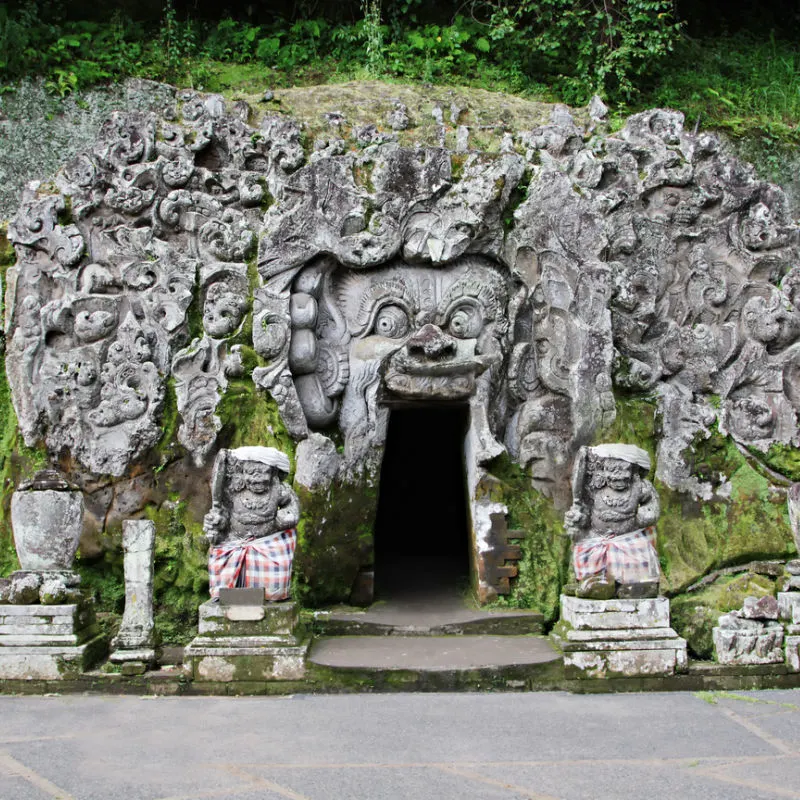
(432, 652)
(718, 746)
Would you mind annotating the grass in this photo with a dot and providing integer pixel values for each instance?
(737, 83)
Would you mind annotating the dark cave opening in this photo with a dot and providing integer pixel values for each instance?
(422, 537)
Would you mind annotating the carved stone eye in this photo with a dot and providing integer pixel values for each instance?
(392, 322)
(465, 322)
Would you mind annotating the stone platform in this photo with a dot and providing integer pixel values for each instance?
(618, 638)
(247, 643)
(40, 642)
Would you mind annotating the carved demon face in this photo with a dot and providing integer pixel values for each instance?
(431, 332)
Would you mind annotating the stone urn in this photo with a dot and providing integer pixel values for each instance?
(47, 519)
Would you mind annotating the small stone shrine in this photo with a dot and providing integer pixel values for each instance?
(615, 624)
(47, 628)
(245, 633)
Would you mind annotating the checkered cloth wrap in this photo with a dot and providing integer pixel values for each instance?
(627, 558)
(263, 562)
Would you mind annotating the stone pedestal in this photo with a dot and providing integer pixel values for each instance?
(48, 642)
(618, 638)
(789, 609)
(247, 643)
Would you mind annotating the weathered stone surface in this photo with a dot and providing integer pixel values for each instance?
(793, 502)
(266, 620)
(526, 284)
(318, 461)
(47, 526)
(762, 608)
(789, 606)
(792, 645)
(235, 644)
(633, 662)
(137, 629)
(601, 638)
(758, 643)
(40, 642)
(615, 614)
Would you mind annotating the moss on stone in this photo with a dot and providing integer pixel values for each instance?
(783, 459)
(335, 540)
(695, 614)
(249, 416)
(544, 565)
(181, 571)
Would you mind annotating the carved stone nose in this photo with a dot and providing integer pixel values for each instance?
(431, 342)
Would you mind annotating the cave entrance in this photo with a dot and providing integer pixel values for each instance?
(422, 539)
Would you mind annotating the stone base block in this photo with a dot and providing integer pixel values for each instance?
(49, 663)
(247, 643)
(612, 638)
(267, 619)
(242, 660)
(39, 642)
(616, 614)
(746, 646)
(145, 655)
(792, 648)
(789, 606)
(655, 661)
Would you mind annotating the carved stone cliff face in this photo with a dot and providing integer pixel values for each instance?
(530, 285)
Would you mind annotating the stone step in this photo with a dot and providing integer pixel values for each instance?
(398, 622)
(432, 653)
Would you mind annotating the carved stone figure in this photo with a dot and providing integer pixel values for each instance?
(611, 523)
(400, 332)
(202, 369)
(251, 524)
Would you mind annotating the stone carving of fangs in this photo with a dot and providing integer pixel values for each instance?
(525, 287)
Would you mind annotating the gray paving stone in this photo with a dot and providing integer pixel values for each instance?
(431, 652)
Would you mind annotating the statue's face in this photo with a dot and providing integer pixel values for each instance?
(433, 331)
(611, 473)
(223, 311)
(254, 477)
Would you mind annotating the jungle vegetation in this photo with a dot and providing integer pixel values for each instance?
(733, 65)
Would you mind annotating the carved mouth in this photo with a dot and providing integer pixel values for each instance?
(410, 365)
(427, 386)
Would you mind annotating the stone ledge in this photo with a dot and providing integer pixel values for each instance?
(616, 614)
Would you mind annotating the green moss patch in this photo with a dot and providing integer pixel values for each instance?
(544, 565)
(695, 614)
(335, 540)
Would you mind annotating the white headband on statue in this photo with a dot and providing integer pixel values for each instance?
(264, 455)
(624, 452)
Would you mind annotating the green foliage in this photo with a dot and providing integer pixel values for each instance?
(544, 565)
(596, 46)
(181, 571)
(737, 83)
(630, 51)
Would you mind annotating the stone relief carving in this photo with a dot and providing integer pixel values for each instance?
(251, 524)
(648, 260)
